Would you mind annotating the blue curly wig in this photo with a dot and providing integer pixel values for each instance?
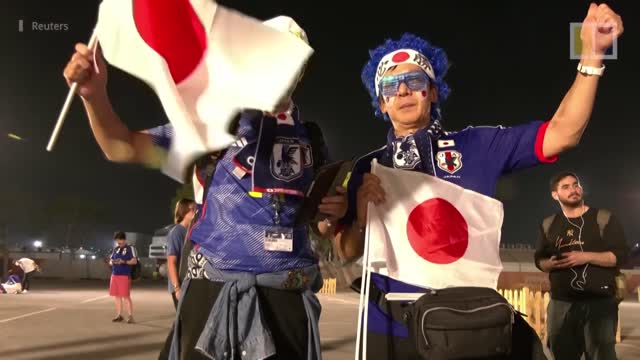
(437, 57)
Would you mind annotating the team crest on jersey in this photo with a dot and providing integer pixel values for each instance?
(405, 154)
(287, 159)
(449, 161)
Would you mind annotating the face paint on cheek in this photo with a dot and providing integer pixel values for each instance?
(389, 100)
(419, 95)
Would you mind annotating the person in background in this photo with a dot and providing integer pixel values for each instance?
(12, 285)
(582, 248)
(28, 267)
(123, 258)
(184, 213)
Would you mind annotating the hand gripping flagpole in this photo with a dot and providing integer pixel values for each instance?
(68, 101)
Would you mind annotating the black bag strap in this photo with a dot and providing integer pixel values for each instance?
(316, 138)
(134, 251)
(546, 224)
(602, 218)
(208, 165)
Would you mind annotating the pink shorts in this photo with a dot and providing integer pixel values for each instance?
(120, 286)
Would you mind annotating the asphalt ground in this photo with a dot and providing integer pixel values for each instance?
(61, 319)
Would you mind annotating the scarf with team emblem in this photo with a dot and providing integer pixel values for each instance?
(278, 157)
(413, 151)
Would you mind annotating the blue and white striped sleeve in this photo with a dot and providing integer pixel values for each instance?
(161, 135)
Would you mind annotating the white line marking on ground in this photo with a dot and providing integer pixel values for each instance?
(338, 300)
(627, 345)
(26, 315)
(336, 339)
(94, 299)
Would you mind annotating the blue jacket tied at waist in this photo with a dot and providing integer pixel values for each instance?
(235, 325)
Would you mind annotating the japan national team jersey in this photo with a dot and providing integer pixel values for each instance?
(125, 253)
(473, 158)
(230, 225)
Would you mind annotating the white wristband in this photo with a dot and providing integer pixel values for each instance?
(590, 70)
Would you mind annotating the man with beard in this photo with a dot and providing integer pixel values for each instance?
(581, 248)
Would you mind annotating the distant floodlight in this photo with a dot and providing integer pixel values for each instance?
(93, 257)
(82, 256)
(37, 243)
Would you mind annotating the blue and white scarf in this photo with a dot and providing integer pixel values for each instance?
(413, 151)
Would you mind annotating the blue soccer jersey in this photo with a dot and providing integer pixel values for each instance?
(473, 158)
(231, 225)
(125, 253)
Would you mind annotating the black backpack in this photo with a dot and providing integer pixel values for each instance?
(136, 271)
(602, 218)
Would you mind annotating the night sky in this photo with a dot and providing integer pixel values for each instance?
(509, 64)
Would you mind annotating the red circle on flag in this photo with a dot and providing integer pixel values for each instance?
(437, 231)
(282, 116)
(402, 56)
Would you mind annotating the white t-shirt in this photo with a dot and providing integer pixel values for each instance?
(27, 265)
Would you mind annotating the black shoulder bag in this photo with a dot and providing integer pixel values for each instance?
(461, 323)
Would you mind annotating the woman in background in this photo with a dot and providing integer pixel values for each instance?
(123, 258)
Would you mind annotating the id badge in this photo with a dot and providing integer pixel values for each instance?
(278, 239)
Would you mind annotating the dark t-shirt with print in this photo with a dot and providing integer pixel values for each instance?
(582, 234)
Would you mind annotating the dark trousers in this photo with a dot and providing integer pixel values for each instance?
(175, 300)
(283, 313)
(164, 353)
(585, 326)
(26, 281)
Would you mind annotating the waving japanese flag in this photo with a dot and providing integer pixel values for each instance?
(205, 62)
(433, 233)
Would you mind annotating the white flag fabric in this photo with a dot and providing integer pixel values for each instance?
(433, 233)
(205, 62)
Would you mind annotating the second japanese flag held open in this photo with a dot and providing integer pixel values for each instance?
(434, 233)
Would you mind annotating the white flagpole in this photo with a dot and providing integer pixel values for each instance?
(67, 102)
(363, 309)
(367, 287)
(363, 293)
